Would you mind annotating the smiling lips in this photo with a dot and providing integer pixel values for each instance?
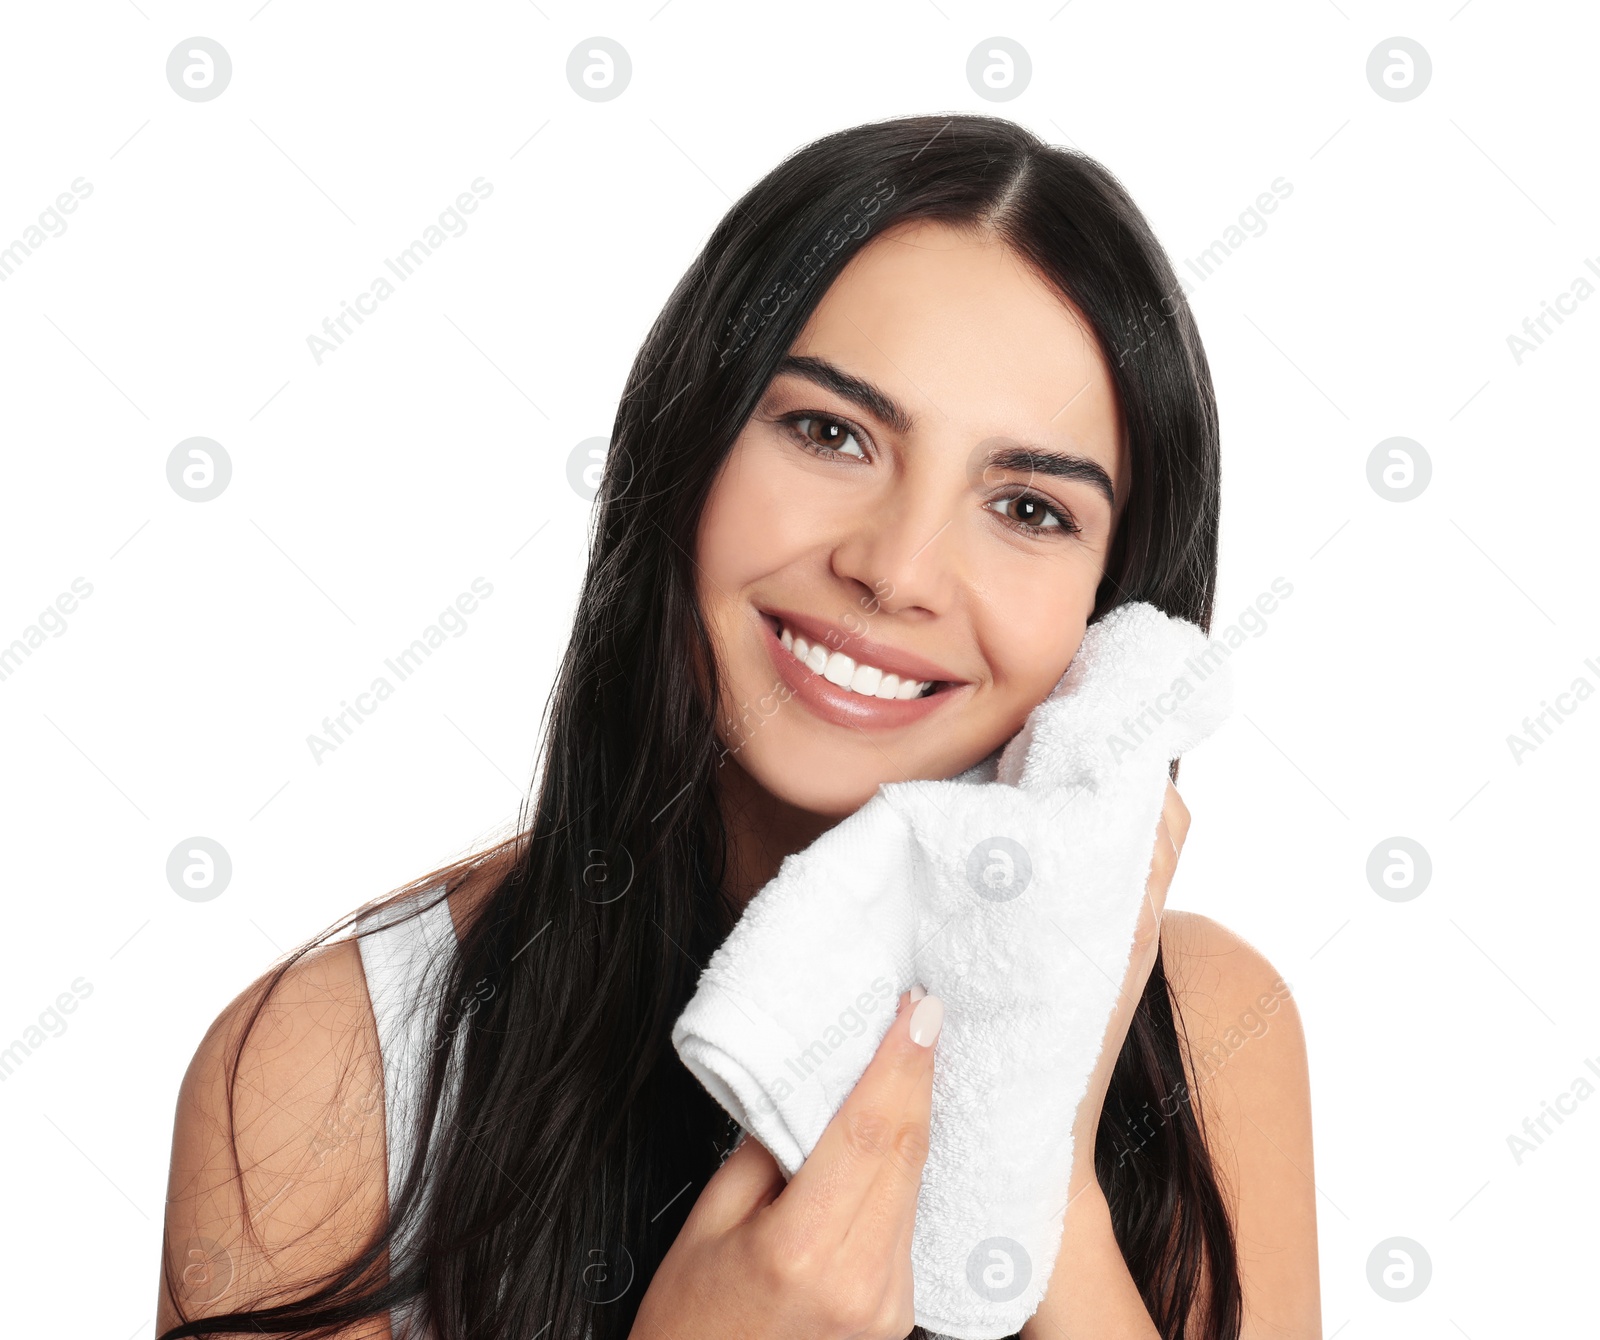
(880, 686)
(837, 668)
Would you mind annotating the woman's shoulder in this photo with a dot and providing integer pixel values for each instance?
(278, 1161)
(1248, 1075)
(291, 1042)
(1228, 994)
(1213, 970)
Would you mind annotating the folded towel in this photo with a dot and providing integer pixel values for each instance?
(1012, 892)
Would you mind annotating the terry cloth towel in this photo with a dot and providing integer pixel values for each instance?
(1012, 892)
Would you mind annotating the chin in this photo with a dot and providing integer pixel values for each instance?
(830, 797)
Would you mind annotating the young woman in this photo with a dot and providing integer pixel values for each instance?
(932, 401)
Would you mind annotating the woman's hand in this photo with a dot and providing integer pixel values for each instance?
(1171, 830)
(827, 1257)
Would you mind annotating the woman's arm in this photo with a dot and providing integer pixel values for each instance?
(1251, 1081)
(282, 1178)
(1254, 1090)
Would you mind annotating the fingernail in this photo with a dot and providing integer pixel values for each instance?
(926, 1021)
(918, 992)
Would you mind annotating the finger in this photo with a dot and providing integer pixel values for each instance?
(899, 1271)
(748, 1179)
(839, 1174)
(893, 1197)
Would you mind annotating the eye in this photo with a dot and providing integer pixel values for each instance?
(1035, 513)
(823, 435)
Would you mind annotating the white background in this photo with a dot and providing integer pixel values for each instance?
(369, 491)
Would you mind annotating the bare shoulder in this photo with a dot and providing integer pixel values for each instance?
(1238, 1016)
(278, 1165)
(279, 1168)
(1250, 1079)
(1217, 976)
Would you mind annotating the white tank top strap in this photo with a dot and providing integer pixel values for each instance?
(406, 960)
(406, 956)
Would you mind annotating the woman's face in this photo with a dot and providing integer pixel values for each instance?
(868, 508)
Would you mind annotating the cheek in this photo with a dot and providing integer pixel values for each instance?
(729, 526)
(741, 541)
(761, 515)
(1034, 626)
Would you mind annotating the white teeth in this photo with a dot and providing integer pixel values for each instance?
(866, 679)
(837, 668)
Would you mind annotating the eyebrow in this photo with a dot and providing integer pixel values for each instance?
(848, 387)
(1021, 459)
(1058, 465)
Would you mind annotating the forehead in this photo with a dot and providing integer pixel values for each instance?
(963, 333)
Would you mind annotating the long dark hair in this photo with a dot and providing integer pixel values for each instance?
(577, 1129)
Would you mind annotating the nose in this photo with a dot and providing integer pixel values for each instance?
(903, 551)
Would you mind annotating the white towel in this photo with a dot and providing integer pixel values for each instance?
(1012, 892)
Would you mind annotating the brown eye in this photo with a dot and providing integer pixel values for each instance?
(827, 436)
(1031, 512)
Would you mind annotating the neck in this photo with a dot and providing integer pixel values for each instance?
(762, 830)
